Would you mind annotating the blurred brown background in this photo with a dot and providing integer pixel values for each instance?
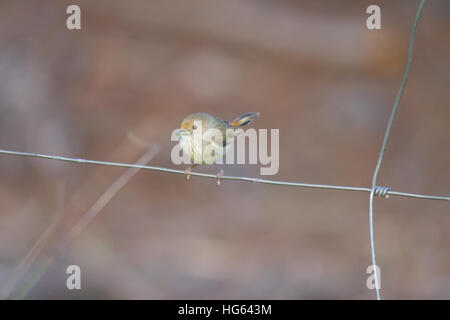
(312, 69)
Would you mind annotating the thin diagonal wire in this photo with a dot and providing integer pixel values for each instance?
(82, 223)
(386, 138)
(41, 242)
(204, 175)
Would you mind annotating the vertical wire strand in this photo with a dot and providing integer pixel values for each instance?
(385, 141)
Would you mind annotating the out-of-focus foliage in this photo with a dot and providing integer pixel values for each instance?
(312, 69)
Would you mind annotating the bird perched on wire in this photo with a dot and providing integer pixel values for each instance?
(202, 132)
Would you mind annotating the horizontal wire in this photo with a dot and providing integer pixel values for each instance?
(205, 175)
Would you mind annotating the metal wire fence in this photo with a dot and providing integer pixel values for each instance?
(374, 190)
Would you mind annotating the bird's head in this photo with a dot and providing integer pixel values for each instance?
(187, 127)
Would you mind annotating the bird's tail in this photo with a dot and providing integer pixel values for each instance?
(243, 120)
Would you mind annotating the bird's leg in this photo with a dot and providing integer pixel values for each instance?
(219, 177)
(187, 172)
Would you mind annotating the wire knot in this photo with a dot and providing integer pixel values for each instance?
(381, 191)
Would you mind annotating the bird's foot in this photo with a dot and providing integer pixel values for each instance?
(219, 177)
(187, 173)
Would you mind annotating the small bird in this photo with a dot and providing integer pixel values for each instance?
(193, 141)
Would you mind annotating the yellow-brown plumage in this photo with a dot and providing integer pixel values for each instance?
(190, 130)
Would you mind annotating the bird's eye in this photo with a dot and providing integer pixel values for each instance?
(194, 127)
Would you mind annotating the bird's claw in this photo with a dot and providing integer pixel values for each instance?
(219, 177)
(187, 174)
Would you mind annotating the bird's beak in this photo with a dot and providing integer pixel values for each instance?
(182, 132)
